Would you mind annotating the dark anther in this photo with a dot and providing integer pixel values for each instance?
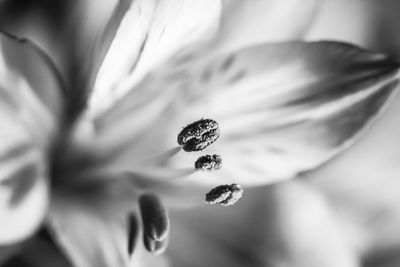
(224, 195)
(208, 163)
(198, 135)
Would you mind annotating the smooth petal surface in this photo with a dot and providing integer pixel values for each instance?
(30, 104)
(90, 227)
(89, 223)
(287, 224)
(74, 33)
(368, 23)
(282, 109)
(150, 32)
(249, 22)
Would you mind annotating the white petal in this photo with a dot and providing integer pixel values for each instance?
(249, 22)
(90, 225)
(283, 109)
(370, 24)
(150, 32)
(29, 107)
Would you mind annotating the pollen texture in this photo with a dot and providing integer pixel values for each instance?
(198, 135)
(208, 163)
(224, 195)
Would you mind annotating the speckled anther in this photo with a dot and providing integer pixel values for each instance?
(224, 195)
(208, 163)
(198, 135)
(155, 223)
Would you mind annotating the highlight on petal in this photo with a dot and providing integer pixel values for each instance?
(147, 36)
(88, 236)
(248, 22)
(283, 109)
(29, 108)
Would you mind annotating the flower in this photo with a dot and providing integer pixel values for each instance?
(282, 109)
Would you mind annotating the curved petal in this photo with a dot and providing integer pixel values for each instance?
(150, 32)
(248, 22)
(276, 226)
(90, 225)
(282, 109)
(74, 33)
(30, 105)
(364, 188)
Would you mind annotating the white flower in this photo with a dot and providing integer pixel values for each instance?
(282, 109)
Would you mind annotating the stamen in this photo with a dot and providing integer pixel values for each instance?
(224, 195)
(208, 163)
(132, 233)
(155, 223)
(166, 155)
(198, 135)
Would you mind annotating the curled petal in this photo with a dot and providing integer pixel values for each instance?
(283, 109)
(29, 108)
(75, 34)
(28, 75)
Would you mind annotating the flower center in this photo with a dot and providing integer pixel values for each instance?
(82, 170)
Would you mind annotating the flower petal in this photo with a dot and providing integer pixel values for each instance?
(248, 22)
(370, 24)
(74, 33)
(147, 36)
(90, 225)
(30, 106)
(363, 186)
(22, 62)
(282, 109)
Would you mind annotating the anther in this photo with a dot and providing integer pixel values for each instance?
(198, 135)
(155, 223)
(224, 195)
(132, 232)
(154, 246)
(208, 163)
